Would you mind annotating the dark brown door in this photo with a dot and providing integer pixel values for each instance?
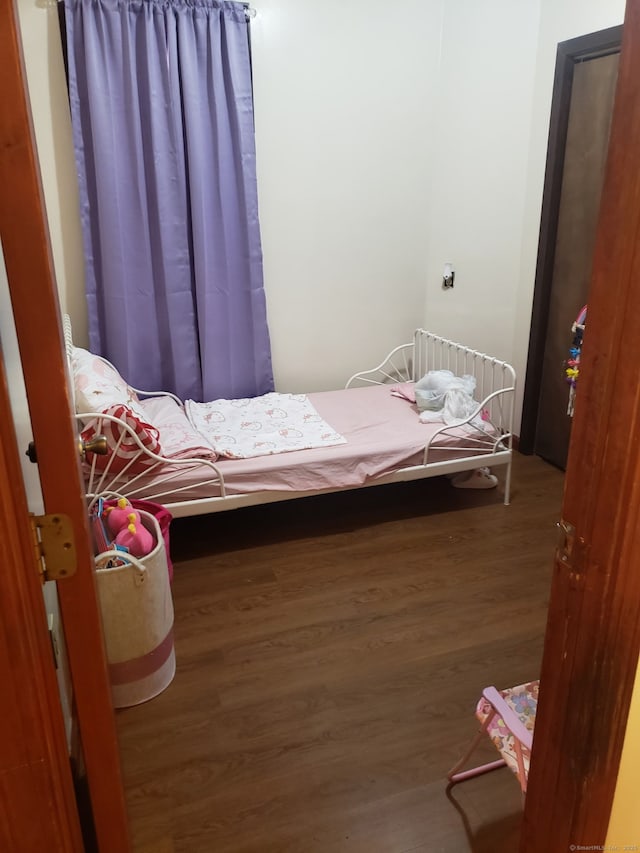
(569, 211)
(591, 105)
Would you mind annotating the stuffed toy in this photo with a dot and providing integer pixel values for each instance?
(136, 538)
(120, 515)
(128, 530)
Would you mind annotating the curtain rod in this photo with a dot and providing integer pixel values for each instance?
(249, 11)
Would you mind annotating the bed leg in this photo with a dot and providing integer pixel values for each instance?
(507, 485)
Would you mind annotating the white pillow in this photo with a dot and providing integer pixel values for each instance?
(98, 385)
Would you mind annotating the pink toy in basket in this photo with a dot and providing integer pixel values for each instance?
(135, 537)
(128, 531)
(120, 515)
(160, 513)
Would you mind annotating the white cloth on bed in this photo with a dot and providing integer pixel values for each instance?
(442, 396)
(261, 426)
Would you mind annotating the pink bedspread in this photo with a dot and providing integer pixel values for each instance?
(383, 433)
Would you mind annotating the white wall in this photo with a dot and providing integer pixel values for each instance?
(52, 127)
(479, 169)
(624, 821)
(343, 96)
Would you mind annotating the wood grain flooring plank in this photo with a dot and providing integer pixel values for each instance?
(330, 654)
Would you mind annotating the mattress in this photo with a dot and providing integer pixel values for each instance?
(383, 433)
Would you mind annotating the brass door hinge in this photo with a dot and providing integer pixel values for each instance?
(566, 538)
(54, 545)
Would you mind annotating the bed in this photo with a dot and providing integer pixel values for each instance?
(383, 440)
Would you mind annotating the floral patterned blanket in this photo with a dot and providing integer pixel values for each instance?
(261, 426)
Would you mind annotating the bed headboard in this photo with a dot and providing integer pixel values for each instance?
(68, 346)
(68, 336)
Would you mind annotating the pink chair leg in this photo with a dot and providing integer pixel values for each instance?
(456, 775)
(522, 775)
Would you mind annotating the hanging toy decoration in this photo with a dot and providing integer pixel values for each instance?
(572, 364)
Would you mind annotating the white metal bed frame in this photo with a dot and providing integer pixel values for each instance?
(495, 387)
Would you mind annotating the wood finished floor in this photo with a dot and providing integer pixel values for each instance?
(330, 653)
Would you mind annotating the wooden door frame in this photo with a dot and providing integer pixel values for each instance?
(568, 54)
(593, 631)
(36, 788)
(34, 297)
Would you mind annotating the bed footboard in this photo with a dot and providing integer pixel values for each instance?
(489, 427)
(492, 443)
(495, 379)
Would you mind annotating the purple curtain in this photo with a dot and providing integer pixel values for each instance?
(162, 113)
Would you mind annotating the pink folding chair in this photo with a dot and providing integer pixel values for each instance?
(508, 718)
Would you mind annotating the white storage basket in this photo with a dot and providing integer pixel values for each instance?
(137, 616)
